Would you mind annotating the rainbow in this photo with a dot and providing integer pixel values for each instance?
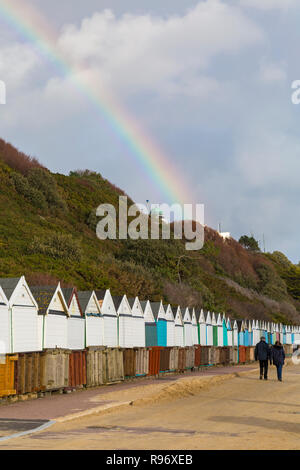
(158, 167)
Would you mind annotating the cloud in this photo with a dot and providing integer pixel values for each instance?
(270, 4)
(17, 63)
(270, 72)
(136, 53)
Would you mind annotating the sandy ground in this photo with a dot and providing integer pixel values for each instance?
(216, 412)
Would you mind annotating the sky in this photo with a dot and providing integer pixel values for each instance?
(208, 81)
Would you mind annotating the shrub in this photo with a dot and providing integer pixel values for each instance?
(92, 220)
(43, 181)
(249, 243)
(33, 195)
(57, 246)
(17, 160)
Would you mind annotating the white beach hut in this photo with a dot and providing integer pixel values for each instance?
(5, 329)
(229, 333)
(188, 328)
(202, 327)
(209, 330)
(21, 320)
(138, 323)
(195, 327)
(76, 321)
(110, 318)
(94, 324)
(125, 330)
(235, 332)
(55, 314)
(170, 325)
(288, 335)
(220, 330)
(179, 333)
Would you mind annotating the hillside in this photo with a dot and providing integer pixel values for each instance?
(47, 232)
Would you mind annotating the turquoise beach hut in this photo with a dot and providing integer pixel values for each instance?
(161, 323)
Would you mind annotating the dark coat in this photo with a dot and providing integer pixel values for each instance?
(262, 351)
(277, 355)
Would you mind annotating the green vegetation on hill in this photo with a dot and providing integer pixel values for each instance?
(47, 232)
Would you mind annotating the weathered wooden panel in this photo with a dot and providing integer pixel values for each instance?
(129, 362)
(141, 361)
(154, 360)
(197, 359)
(288, 349)
(242, 354)
(96, 366)
(222, 355)
(54, 369)
(190, 357)
(7, 376)
(205, 355)
(174, 359)
(181, 359)
(114, 365)
(77, 368)
(164, 364)
(247, 354)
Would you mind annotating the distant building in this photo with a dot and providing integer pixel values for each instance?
(225, 235)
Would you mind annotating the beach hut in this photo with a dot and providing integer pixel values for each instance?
(188, 328)
(179, 333)
(296, 336)
(246, 333)
(161, 324)
(170, 325)
(220, 330)
(125, 323)
(229, 333)
(256, 332)
(240, 325)
(215, 330)
(20, 317)
(235, 333)
(138, 323)
(150, 324)
(250, 333)
(281, 333)
(224, 330)
(201, 327)
(209, 330)
(5, 330)
(288, 338)
(55, 314)
(76, 321)
(110, 319)
(94, 325)
(195, 327)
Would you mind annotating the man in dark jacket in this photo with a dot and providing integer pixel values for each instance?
(262, 354)
(278, 357)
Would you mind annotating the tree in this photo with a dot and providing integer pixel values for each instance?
(249, 243)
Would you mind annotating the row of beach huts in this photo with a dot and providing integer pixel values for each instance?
(55, 338)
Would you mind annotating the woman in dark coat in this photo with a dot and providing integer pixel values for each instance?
(277, 358)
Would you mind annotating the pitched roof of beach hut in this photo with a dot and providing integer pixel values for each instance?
(49, 299)
(148, 314)
(158, 310)
(16, 288)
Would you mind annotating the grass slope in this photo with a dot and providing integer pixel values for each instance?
(47, 232)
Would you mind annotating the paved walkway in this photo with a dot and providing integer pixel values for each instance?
(56, 405)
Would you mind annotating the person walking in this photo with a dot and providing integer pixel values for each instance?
(277, 358)
(262, 354)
